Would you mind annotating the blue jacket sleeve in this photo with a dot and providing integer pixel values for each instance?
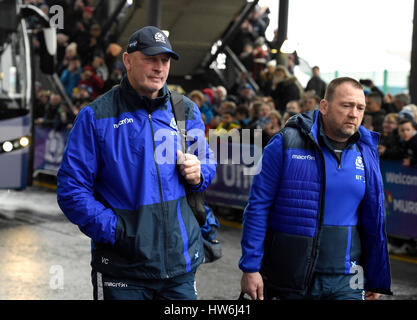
(261, 199)
(65, 77)
(76, 177)
(199, 147)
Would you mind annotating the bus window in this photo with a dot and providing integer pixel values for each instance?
(14, 80)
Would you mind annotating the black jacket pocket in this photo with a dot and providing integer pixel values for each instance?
(287, 259)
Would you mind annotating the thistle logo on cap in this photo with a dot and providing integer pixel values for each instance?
(150, 41)
(159, 37)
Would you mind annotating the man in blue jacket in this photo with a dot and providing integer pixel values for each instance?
(119, 180)
(314, 224)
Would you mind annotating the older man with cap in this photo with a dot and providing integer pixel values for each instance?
(120, 183)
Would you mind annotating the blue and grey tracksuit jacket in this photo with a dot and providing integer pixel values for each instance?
(283, 222)
(119, 183)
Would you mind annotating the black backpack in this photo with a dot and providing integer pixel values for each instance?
(195, 200)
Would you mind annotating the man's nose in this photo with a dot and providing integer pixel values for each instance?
(354, 112)
(157, 66)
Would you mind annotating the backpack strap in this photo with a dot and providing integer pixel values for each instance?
(177, 103)
(195, 200)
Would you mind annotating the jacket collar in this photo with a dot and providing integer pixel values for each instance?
(136, 101)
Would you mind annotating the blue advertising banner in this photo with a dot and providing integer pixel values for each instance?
(49, 148)
(231, 188)
(237, 166)
(400, 184)
(235, 171)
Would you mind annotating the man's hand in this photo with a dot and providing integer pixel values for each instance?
(372, 295)
(190, 167)
(388, 98)
(406, 162)
(381, 149)
(253, 285)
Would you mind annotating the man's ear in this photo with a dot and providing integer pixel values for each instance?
(126, 61)
(324, 105)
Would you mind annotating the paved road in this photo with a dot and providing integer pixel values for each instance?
(46, 257)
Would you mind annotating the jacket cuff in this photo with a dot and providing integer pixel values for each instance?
(120, 229)
(196, 188)
(248, 270)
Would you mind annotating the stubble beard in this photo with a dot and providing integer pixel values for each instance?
(347, 133)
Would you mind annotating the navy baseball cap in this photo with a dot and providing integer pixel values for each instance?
(150, 41)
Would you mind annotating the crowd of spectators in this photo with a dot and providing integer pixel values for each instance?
(87, 67)
(86, 63)
(395, 119)
(391, 116)
(282, 96)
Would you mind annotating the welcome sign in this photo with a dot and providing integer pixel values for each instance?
(400, 186)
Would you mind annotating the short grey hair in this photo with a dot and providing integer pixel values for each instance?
(402, 97)
(337, 82)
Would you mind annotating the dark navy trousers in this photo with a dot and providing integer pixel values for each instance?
(177, 288)
(324, 287)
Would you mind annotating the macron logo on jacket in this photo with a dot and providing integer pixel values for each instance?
(303, 157)
(121, 122)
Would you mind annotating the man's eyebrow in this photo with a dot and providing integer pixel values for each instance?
(351, 102)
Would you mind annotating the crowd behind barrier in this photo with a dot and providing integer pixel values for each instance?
(88, 66)
(87, 63)
(231, 185)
